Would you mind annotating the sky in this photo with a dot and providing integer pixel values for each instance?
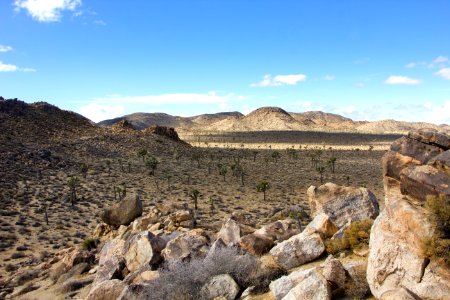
(367, 60)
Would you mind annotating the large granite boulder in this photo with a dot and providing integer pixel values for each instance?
(342, 204)
(413, 169)
(194, 243)
(299, 249)
(143, 249)
(111, 261)
(313, 287)
(123, 212)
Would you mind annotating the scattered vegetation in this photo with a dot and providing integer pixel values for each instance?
(263, 186)
(438, 246)
(356, 236)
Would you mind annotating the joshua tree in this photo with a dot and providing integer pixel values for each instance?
(332, 163)
(121, 192)
(263, 186)
(321, 170)
(211, 204)
(276, 155)
(108, 165)
(142, 152)
(292, 153)
(73, 183)
(255, 153)
(222, 170)
(209, 164)
(168, 176)
(194, 196)
(151, 163)
(84, 170)
(197, 157)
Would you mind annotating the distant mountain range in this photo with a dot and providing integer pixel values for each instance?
(270, 119)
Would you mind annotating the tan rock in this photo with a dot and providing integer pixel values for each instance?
(106, 290)
(123, 212)
(342, 204)
(313, 287)
(193, 243)
(142, 249)
(220, 287)
(230, 233)
(299, 249)
(334, 272)
(256, 244)
(323, 225)
(280, 230)
(398, 294)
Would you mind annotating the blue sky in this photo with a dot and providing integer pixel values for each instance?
(367, 60)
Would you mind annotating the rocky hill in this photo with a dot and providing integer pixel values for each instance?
(273, 119)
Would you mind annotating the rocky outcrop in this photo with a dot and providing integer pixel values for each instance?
(163, 131)
(123, 212)
(414, 168)
(342, 204)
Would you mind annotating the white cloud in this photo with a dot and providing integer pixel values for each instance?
(98, 112)
(329, 77)
(14, 68)
(444, 73)
(411, 65)
(99, 22)
(402, 80)
(46, 10)
(360, 85)
(279, 80)
(8, 67)
(4, 48)
(440, 59)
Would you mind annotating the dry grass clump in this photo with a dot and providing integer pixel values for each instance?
(438, 246)
(356, 236)
(187, 278)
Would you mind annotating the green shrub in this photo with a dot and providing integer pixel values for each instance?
(355, 236)
(89, 244)
(438, 246)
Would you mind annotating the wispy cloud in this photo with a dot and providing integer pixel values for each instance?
(4, 48)
(361, 61)
(394, 80)
(279, 80)
(444, 73)
(99, 22)
(46, 10)
(14, 68)
(329, 77)
(439, 62)
(99, 111)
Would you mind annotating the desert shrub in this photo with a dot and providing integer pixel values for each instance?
(355, 236)
(187, 278)
(438, 246)
(89, 244)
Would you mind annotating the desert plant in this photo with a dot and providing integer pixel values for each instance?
(211, 204)
(108, 166)
(89, 244)
(120, 191)
(151, 163)
(194, 194)
(143, 153)
(73, 182)
(184, 279)
(275, 155)
(292, 153)
(263, 186)
(356, 236)
(254, 153)
(84, 170)
(222, 170)
(332, 162)
(438, 245)
(321, 170)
